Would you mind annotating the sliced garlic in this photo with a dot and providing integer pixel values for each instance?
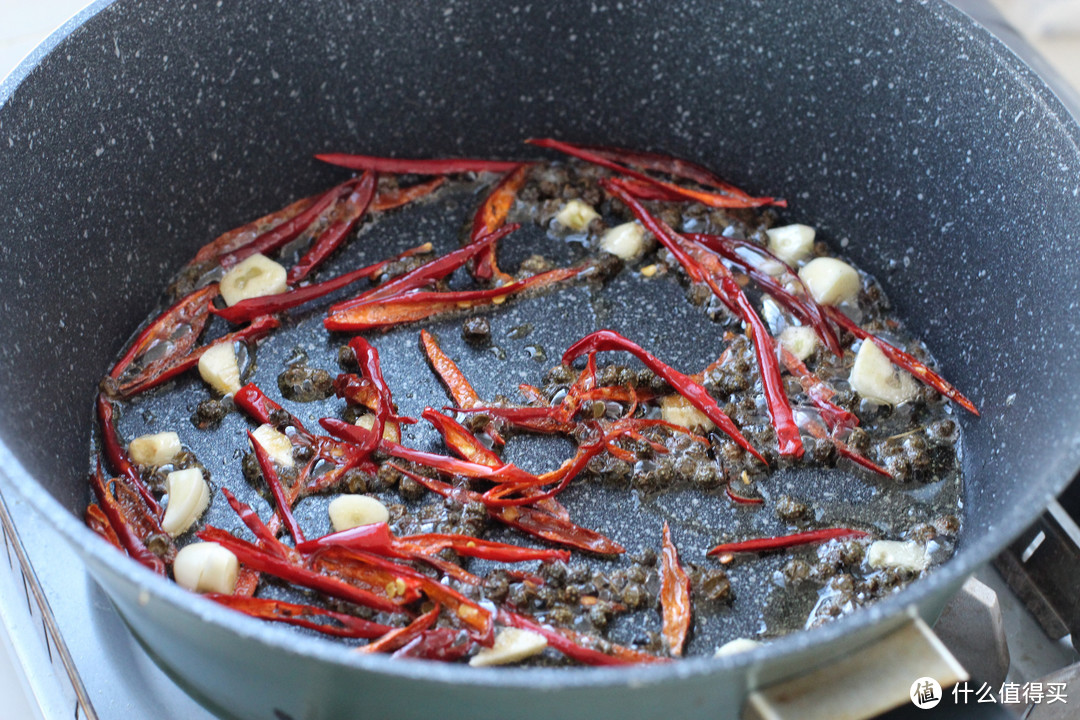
(276, 444)
(188, 497)
(219, 368)
(576, 215)
(206, 567)
(799, 340)
(791, 243)
(677, 410)
(511, 645)
(910, 556)
(391, 431)
(255, 276)
(830, 281)
(349, 511)
(157, 449)
(625, 241)
(737, 645)
(874, 377)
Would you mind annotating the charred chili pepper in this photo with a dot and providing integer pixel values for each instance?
(674, 597)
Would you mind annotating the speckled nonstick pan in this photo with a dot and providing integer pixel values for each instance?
(906, 135)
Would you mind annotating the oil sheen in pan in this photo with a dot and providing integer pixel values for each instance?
(770, 594)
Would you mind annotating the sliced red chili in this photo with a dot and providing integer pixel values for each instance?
(125, 532)
(460, 440)
(243, 235)
(392, 199)
(574, 645)
(117, 457)
(398, 637)
(270, 475)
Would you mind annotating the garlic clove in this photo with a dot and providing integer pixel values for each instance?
(830, 281)
(349, 511)
(206, 567)
(626, 241)
(791, 243)
(391, 430)
(897, 555)
(677, 410)
(576, 215)
(799, 340)
(189, 495)
(737, 645)
(255, 276)
(219, 368)
(276, 444)
(154, 450)
(511, 645)
(874, 377)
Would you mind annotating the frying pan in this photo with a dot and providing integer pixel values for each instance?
(904, 133)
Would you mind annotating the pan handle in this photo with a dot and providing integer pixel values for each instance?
(865, 684)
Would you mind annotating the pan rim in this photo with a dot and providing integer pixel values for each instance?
(969, 556)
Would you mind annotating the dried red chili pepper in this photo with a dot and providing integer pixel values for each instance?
(424, 275)
(572, 644)
(125, 532)
(405, 166)
(444, 644)
(117, 457)
(411, 307)
(270, 475)
(527, 519)
(460, 440)
(674, 596)
(264, 562)
(803, 306)
(269, 304)
(461, 390)
(904, 360)
(712, 199)
(837, 418)
(97, 521)
(397, 637)
(289, 230)
(694, 392)
(161, 372)
(349, 626)
(703, 266)
(264, 536)
(392, 199)
(189, 312)
(667, 164)
(742, 499)
(491, 216)
(347, 213)
(785, 541)
(243, 235)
